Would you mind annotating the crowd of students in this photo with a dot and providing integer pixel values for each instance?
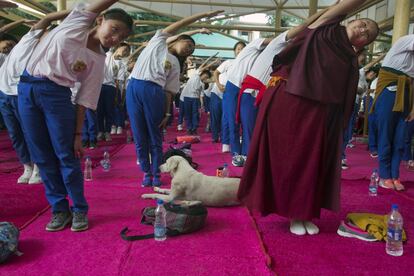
(283, 105)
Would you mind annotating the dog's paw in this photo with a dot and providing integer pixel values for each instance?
(157, 189)
(146, 196)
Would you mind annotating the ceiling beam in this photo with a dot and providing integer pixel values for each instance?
(128, 3)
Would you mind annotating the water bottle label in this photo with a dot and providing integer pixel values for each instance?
(373, 189)
(395, 235)
(160, 231)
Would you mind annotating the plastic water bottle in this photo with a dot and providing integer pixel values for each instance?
(373, 184)
(394, 245)
(160, 224)
(106, 162)
(225, 172)
(128, 137)
(88, 169)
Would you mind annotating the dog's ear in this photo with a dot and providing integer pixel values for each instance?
(172, 164)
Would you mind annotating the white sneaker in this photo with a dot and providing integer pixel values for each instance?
(107, 137)
(179, 127)
(24, 178)
(225, 148)
(137, 161)
(100, 136)
(297, 227)
(119, 130)
(311, 228)
(113, 130)
(35, 178)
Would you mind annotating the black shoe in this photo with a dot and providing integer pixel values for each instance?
(92, 144)
(85, 144)
(59, 221)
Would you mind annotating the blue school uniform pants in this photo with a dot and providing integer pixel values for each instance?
(248, 114)
(49, 118)
(89, 126)
(119, 111)
(372, 129)
(391, 134)
(145, 102)
(216, 112)
(181, 113)
(206, 103)
(191, 114)
(10, 112)
(106, 108)
(230, 98)
(408, 153)
(347, 135)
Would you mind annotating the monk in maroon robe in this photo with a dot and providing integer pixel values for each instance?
(293, 166)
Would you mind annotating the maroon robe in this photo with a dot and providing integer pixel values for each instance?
(293, 165)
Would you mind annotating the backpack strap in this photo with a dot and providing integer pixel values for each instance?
(170, 233)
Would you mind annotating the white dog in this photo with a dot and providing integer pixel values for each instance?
(190, 185)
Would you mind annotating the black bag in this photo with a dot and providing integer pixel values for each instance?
(9, 239)
(179, 152)
(181, 219)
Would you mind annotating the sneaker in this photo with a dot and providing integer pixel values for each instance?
(147, 181)
(92, 144)
(225, 148)
(59, 221)
(374, 154)
(238, 161)
(119, 130)
(156, 182)
(194, 132)
(179, 127)
(386, 183)
(350, 145)
(100, 136)
(107, 137)
(25, 177)
(410, 165)
(350, 231)
(398, 186)
(84, 144)
(113, 130)
(215, 141)
(344, 165)
(79, 222)
(137, 161)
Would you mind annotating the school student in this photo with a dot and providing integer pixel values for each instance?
(219, 122)
(393, 107)
(72, 52)
(10, 72)
(293, 165)
(206, 97)
(154, 80)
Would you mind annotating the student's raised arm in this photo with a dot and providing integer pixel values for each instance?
(344, 7)
(100, 5)
(49, 18)
(173, 28)
(12, 25)
(171, 39)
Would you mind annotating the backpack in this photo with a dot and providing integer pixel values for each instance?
(181, 219)
(9, 238)
(182, 153)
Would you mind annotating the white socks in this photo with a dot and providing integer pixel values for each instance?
(24, 178)
(300, 228)
(35, 177)
(225, 148)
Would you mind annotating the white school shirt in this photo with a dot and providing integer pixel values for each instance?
(2, 58)
(193, 87)
(223, 69)
(262, 67)
(207, 92)
(244, 61)
(111, 70)
(16, 62)
(63, 57)
(401, 55)
(373, 86)
(157, 65)
(362, 81)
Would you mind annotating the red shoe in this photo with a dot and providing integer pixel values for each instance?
(386, 183)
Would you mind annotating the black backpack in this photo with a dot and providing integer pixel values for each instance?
(181, 219)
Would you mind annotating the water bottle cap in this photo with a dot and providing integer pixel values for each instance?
(225, 165)
(375, 170)
(394, 207)
(160, 202)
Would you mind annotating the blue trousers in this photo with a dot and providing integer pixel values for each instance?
(216, 111)
(230, 98)
(248, 114)
(408, 153)
(10, 112)
(145, 102)
(372, 129)
(181, 113)
(49, 118)
(391, 134)
(347, 135)
(119, 111)
(89, 126)
(106, 108)
(191, 114)
(206, 102)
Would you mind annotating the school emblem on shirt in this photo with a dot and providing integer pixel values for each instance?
(167, 65)
(79, 66)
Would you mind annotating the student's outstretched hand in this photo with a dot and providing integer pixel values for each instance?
(164, 122)
(77, 147)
